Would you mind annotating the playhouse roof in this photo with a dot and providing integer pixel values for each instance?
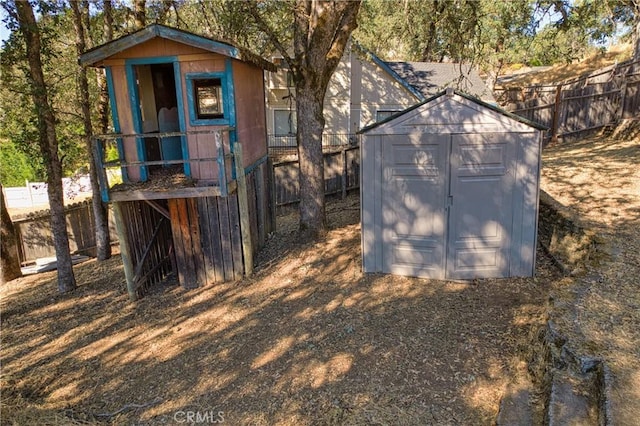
(99, 53)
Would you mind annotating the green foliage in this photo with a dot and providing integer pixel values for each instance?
(489, 33)
(18, 118)
(111, 152)
(14, 166)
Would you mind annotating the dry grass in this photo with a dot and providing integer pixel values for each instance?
(308, 339)
(599, 178)
(562, 72)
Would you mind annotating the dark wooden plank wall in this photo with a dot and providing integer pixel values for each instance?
(286, 175)
(206, 232)
(141, 221)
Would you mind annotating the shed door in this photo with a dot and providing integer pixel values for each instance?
(447, 205)
(413, 205)
(480, 212)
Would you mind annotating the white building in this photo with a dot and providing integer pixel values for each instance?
(363, 90)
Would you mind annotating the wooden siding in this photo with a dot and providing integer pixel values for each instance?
(201, 145)
(148, 242)
(125, 119)
(204, 232)
(250, 112)
(207, 62)
(380, 92)
(249, 104)
(157, 47)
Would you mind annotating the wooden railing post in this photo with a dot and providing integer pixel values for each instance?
(243, 207)
(222, 173)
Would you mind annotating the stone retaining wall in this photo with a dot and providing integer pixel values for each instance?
(572, 244)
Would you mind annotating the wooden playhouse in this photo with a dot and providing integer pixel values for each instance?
(189, 142)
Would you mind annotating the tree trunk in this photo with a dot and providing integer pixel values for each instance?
(100, 215)
(321, 30)
(10, 260)
(636, 31)
(428, 54)
(309, 137)
(48, 144)
(103, 102)
(139, 13)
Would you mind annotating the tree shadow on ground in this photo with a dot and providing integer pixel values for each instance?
(308, 339)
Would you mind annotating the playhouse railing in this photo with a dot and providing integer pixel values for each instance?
(112, 171)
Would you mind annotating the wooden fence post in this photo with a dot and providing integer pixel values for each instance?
(556, 114)
(272, 193)
(125, 251)
(243, 207)
(344, 173)
(623, 96)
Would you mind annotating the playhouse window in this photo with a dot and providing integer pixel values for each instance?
(208, 98)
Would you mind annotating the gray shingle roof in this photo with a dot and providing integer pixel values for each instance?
(432, 77)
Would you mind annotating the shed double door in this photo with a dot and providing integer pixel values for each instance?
(447, 205)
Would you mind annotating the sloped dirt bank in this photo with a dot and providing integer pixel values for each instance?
(590, 223)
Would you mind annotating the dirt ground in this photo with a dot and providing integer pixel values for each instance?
(599, 178)
(307, 340)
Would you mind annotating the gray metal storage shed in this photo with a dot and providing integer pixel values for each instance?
(450, 191)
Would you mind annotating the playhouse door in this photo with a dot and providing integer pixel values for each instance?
(480, 212)
(156, 90)
(413, 205)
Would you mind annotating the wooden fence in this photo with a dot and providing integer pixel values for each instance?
(330, 141)
(35, 239)
(585, 104)
(341, 173)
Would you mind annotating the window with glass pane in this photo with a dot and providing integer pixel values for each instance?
(384, 114)
(284, 122)
(208, 97)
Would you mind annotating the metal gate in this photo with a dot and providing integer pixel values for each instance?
(447, 205)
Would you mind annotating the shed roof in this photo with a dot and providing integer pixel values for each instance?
(432, 77)
(99, 53)
(451, 92)
(425, 79)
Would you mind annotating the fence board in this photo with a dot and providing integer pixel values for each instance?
(286, 175)
(584, 104)
(36, 241)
